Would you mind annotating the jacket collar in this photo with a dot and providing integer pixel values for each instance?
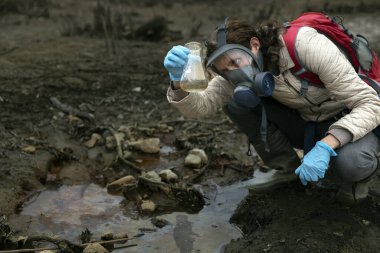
(285, 62)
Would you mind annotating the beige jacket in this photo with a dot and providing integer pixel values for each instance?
(343, 89)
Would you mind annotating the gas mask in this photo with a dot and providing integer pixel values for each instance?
(243, 69)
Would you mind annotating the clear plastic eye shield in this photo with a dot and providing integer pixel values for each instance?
(240, 67)
(231, 52)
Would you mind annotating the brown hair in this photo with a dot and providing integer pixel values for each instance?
(239, 32)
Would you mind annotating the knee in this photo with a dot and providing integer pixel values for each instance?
(233, 108)
(353, 165)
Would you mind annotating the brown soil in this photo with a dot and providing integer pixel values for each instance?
(114, 71)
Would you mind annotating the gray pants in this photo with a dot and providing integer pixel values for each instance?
(356, 161)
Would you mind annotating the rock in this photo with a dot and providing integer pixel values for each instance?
(196, 158)
(75, 120)
(164, 128)
(29, 149)
(168, 176)
(150, 145)
(107, 236)
(74, 82)
(95, 248)
(116, 187)
(136, 89)
(147, 206)
(193, 161)
(95, 138)
(159, 222)
(151, 175)
(201, 153)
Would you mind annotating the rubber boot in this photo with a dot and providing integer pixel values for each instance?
(281, 158)
(352, 193)
(281, 155)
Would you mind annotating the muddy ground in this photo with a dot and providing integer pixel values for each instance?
(102, 62)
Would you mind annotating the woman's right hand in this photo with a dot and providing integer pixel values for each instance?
(175, 61)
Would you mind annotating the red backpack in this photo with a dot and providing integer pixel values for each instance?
(355, 47)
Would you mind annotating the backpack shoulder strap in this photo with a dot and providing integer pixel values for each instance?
(299, 69)
(289, 37)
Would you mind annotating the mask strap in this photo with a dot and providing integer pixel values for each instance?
(264, 128)
(260, 61)
(221, 35)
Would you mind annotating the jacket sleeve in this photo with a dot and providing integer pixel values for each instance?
(203, 104)
(322, 57)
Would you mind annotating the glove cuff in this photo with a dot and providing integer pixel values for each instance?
(326, 147)
(174, 77)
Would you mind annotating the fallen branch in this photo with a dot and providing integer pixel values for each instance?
(194, 120)
(120, 154)
(109, 241)
(134, 166)
(71, 110)
(125, 246)
(57, 241)
(200, 173)
(151, 111)
(27, 250)
(8, 51)
(236, 168)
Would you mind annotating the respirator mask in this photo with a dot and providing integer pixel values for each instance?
(243, 69)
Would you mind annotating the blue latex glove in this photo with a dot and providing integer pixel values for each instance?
(315, 163)
(175, 61)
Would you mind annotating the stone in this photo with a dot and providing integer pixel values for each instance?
(107, 236)
(95, 138)
(168, 176)
(95, 248)
(193, 161)
(147, 206)
(159, 222)
(150, 145)
(116, 187)
(201, 153)
(151, 175)
(29, 149)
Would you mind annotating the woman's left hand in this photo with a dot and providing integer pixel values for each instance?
(315, 163)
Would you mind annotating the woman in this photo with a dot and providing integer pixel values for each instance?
(332, 124)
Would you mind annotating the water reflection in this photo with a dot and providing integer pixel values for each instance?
(68, 211)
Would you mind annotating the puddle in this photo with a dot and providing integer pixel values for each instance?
(167, 150)
(158, 161)
(69, 210)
